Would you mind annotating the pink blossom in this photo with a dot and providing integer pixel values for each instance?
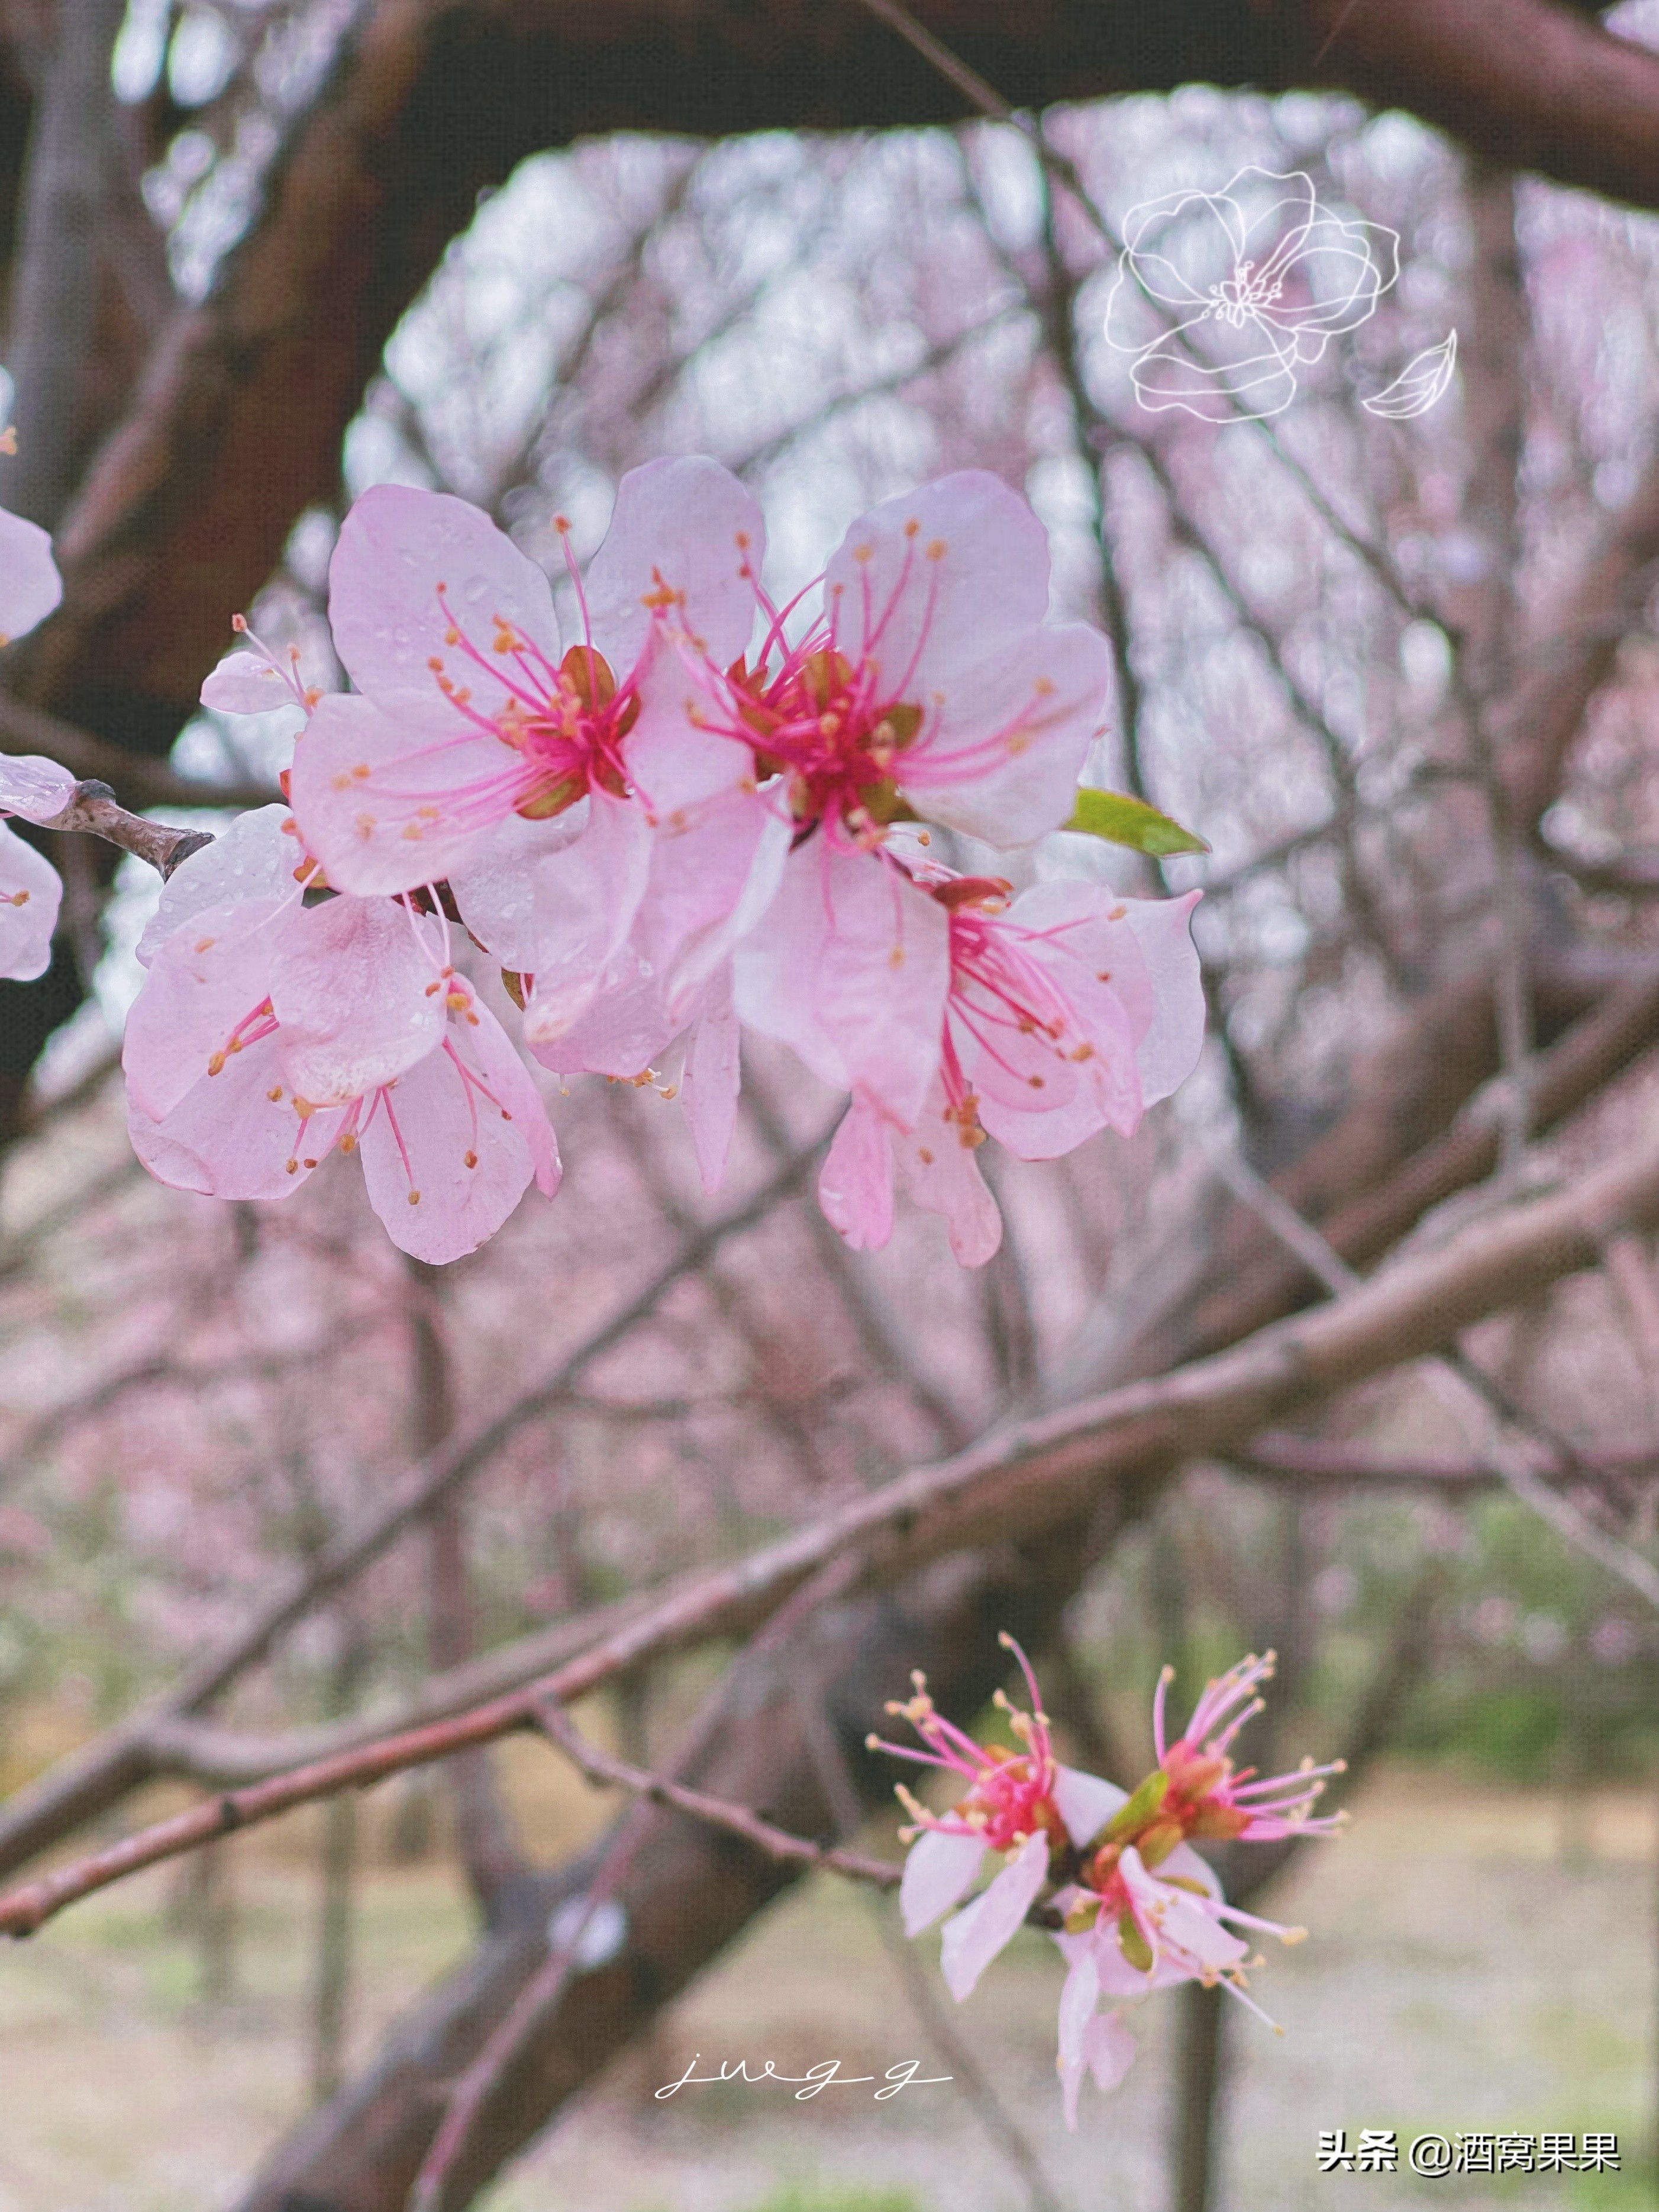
(1206, 1796)
(253, 681)
(30, 586)
(1146, 1911)
(31, 889)
(1024, 1806)
(1141, 1911)
(471, 715)
(1068, 1010)
(269, 1033)
(929, 683)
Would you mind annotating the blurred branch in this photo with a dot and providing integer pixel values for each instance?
(488, 1853)
(90, 1780)
(1465, 1385)
(1022, 1480)
(54, 294)
(1319, 1462)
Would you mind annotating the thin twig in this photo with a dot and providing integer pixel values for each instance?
(597, 1766)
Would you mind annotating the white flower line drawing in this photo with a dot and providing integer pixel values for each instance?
(1269, 277)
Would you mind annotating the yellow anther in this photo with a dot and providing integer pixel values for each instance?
(215, 1063)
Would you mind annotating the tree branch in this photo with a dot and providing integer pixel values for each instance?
(1024, 1481)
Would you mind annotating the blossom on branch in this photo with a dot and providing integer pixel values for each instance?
(1138, 1909)
(1068, 1010)
(470, 724)
(271, 1031)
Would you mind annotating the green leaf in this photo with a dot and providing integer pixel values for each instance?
(1121, 820)
(1140, 1808)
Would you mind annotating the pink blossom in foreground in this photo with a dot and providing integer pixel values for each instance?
(1141, 1910)
(269, 1033)
(929, 684)
(472, 713)
(254, 679)
(1068, 1010)
(31, 890)
(929, 687)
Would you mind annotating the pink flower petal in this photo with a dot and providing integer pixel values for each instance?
(1086, 1803)
(987, 1926)
(252, 860)
(1078, 2000)
(246, 683)
(688, 526)
(415, 1151)
(495, 885)
(711, 881)
(31, 892)
(355, 984)
(1108, 2049)
(673, 764)
(227, 1137)
(206, 983)
(851, 970)
(387, 801)
(855, 1183)
(1001, 758)
(939, 1872)
(30, 586)
(396, 547)
(941, 1173)
(625, 1030)
(1169, 1052)
(33, 787)
(938, 579)
(710, 1088)
(586, 899)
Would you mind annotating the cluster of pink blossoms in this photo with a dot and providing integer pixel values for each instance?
(705, 812)
(1135, 1908)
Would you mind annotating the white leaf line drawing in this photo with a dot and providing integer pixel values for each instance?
(1419, 385)
(1262, 278)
